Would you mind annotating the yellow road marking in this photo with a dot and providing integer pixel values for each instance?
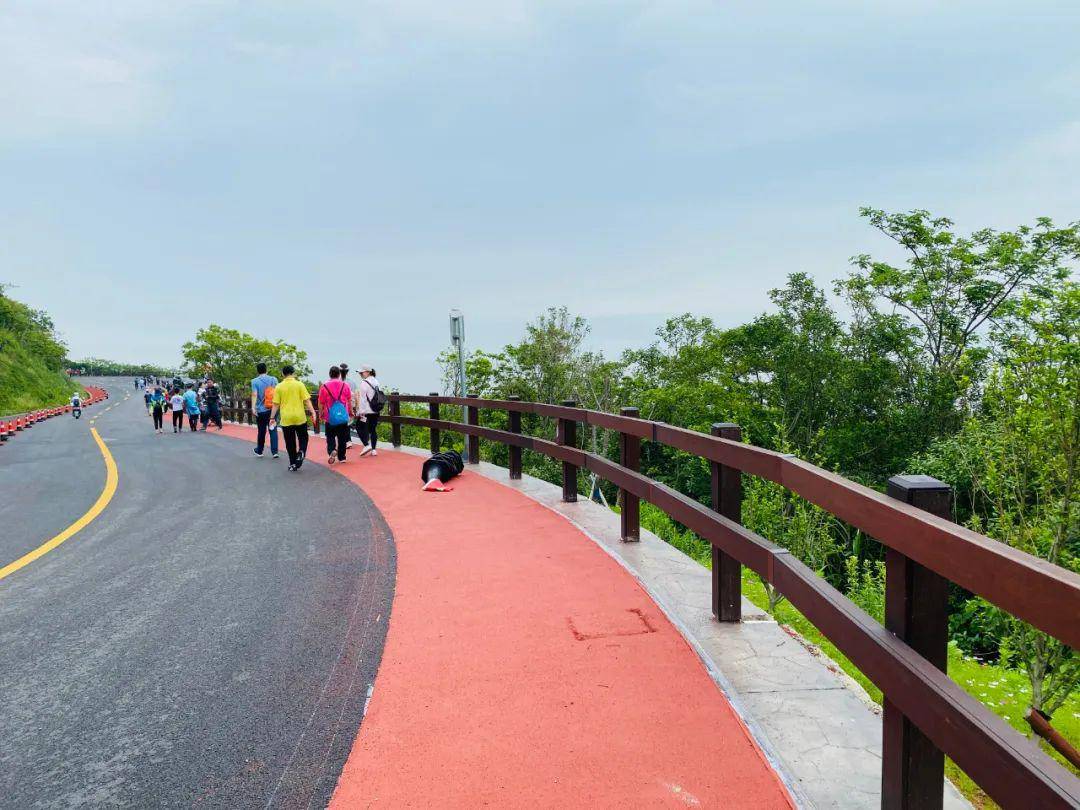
(112, 477)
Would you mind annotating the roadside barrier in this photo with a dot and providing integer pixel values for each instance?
(926, 714)
(18, 423)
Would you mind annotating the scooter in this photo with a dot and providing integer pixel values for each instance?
(76, 412)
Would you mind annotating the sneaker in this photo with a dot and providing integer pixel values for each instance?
(331, 460)
(273, 455)
(374, 452)
(365, 451)
(256, 451)
(300, 458)
(293, 468)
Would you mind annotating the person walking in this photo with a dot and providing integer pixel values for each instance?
(344, 374)
(213, 404)
(191, 405)
(176, 402)
(292, 403)
(262, 403)
(368, 402)
(335, 406)
(157, 409)
(204, 413)
(147, 396)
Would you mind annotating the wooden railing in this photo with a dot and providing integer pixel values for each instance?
(926, 714)
(240, 412)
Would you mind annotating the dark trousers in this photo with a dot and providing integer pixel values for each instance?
(213, 413)
(263, 421)
(337, 436)
(193, 421)
(177, 420)
(368, 430)
(294, 435)
(159, 418)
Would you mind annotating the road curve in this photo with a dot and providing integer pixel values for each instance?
(209, 640)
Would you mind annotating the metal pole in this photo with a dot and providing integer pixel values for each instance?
(462, 390)
(457, 337)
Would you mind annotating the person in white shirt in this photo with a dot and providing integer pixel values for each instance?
(176, 402)
(366, 410)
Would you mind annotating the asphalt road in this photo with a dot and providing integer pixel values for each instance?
(210, 640)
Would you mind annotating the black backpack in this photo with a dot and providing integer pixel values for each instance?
(378, 398)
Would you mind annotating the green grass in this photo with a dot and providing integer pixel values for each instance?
(1004, 691)
(25, 382)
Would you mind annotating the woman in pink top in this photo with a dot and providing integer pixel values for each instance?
(335, 408)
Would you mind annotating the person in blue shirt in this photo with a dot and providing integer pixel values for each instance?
(157, 409)
(191, 407)
(262, 403)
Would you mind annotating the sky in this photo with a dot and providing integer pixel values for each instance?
(341, 174)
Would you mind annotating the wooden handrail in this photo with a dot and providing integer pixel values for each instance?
(997, 757)
(1042, 594)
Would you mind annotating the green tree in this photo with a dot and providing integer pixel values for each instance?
(951, 287)
(229, 356)
(549, 364)
(1017, 463)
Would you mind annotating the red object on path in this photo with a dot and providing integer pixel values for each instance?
(524, 667)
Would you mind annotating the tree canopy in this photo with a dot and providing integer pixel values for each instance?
(230, 356)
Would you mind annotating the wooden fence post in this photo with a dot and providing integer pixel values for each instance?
(567, 435)
(515, 452)
(630, 457)
(395, 428)
(433, 412)
(917, 611)
(472, 443)
(727, 500)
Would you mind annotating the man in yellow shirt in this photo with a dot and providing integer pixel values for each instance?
(292, 406)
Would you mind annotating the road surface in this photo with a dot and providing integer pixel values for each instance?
(209, 640)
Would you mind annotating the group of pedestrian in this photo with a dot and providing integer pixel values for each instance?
(342, 407)
(201, 406)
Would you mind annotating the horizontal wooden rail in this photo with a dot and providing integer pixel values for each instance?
(1000, 760)
(1044, 595)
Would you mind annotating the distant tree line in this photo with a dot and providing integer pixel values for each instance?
(99, 367)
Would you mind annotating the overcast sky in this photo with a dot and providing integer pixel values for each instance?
(341, 174)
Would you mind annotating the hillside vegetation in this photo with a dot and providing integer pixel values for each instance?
(31, 359)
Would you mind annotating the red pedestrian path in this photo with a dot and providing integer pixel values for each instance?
(525, 668)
